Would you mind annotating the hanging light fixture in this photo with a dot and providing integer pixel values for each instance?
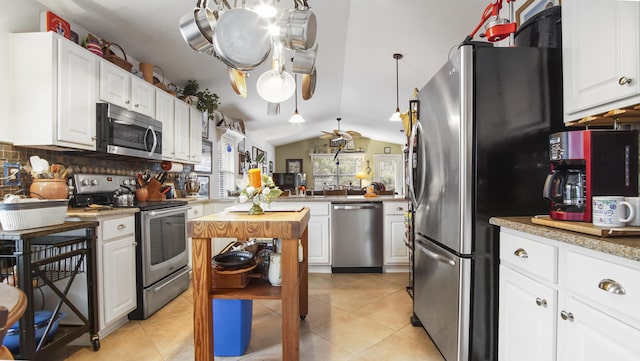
(395, 117)
(296, 117)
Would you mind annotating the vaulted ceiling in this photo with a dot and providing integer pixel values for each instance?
(356, 70)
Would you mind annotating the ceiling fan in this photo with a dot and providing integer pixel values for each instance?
(338, 134)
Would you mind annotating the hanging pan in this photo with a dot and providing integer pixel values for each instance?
(241, 40)
(298, 27)
(238, 81)
(190, 27)
(309, 84)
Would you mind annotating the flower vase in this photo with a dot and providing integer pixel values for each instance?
(255, 210)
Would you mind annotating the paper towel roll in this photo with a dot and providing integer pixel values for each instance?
(171, 166)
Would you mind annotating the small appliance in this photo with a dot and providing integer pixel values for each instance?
(587, 163)
(124, 132)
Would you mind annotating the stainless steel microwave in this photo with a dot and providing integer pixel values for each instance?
(124, 132)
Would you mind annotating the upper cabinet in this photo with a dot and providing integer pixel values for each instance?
(122, 88)
(601, 56)
(53, 84)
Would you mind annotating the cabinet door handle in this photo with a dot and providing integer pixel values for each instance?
(400, 209)
(611, 286)
(195, 211)
(135, 244)
(137, 105)
(624, 80)
(121, 226)
(541, 302)
(566, 316)
(127, 102)
(520, 252)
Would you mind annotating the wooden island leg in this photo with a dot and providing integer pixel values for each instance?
(290, 301)
(304, 281)
(202, 311)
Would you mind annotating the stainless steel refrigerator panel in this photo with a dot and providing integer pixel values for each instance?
(441, 298)
(445, 155)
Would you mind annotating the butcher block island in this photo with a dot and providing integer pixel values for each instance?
(289, 227)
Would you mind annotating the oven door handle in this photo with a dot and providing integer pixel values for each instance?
(155, 140)
(167, 211)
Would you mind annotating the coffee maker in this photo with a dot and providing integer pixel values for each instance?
(587, 163)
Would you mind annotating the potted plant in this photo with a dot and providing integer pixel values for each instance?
(190, 92)
(207, 102)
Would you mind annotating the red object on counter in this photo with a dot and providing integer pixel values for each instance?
(57, 24)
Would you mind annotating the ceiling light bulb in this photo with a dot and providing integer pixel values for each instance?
(296, 118)
(265, 10)
(395, 117)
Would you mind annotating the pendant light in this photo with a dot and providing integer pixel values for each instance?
(395, 117)
(296, 117)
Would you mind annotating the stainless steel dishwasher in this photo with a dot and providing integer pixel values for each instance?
(356, 237)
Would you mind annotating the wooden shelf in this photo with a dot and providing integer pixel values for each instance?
(257, 289)
(626, 115)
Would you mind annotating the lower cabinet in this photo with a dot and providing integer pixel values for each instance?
(116, 271)
(319, 238)
(564, 302)
(395, 250)
(527, 318)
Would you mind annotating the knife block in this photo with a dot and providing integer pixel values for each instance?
(154, 191)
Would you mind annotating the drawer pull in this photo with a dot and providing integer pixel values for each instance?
(611, 286)
(624, 80)
(399, 209)
(541, 302)
(195, 211)
(121, 226)
(566, 316)
(521, 253)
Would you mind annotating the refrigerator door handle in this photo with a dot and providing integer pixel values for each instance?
(438, 257)
(414, 133)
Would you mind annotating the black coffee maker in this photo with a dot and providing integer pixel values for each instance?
(587, 163)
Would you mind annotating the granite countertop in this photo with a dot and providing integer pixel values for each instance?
(627, 247)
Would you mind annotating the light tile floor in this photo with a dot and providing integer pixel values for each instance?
(352, 317)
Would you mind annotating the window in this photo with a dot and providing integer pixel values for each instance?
(388, 170)
(226, 165)
(330, 172)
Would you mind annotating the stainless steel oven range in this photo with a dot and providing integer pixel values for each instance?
(161, 240)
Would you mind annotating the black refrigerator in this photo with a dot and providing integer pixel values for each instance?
(482, 151)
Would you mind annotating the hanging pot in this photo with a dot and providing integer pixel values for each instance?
(304, 60)
(309, 84)
(298, 27)
(237, 78)
(241, 39)
(190, 25)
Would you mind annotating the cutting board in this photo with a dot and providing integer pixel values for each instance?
(587, 228)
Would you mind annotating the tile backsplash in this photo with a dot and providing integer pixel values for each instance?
(80, 162)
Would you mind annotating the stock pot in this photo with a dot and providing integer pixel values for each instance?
(196, 29)
(241, 40)
(298, 27)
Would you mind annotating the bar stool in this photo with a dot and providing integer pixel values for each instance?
(13, 303)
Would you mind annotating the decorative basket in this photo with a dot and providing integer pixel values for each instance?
(110, 56)
(32, 213)
(157, 82)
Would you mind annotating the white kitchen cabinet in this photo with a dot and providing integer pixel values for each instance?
(319, 239)
(593, 297)
(165, 114)
(181, 130)
(124, 89)
(53, 90)
(527, 318)
(395, 250)
(195, 135)
(195, 211)
(117, 269)
(601, 63)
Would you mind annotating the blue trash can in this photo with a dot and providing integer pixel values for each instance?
(231, 326)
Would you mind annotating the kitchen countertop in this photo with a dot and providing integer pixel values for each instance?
(627, 247)
(340, 199)
(92, 213)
